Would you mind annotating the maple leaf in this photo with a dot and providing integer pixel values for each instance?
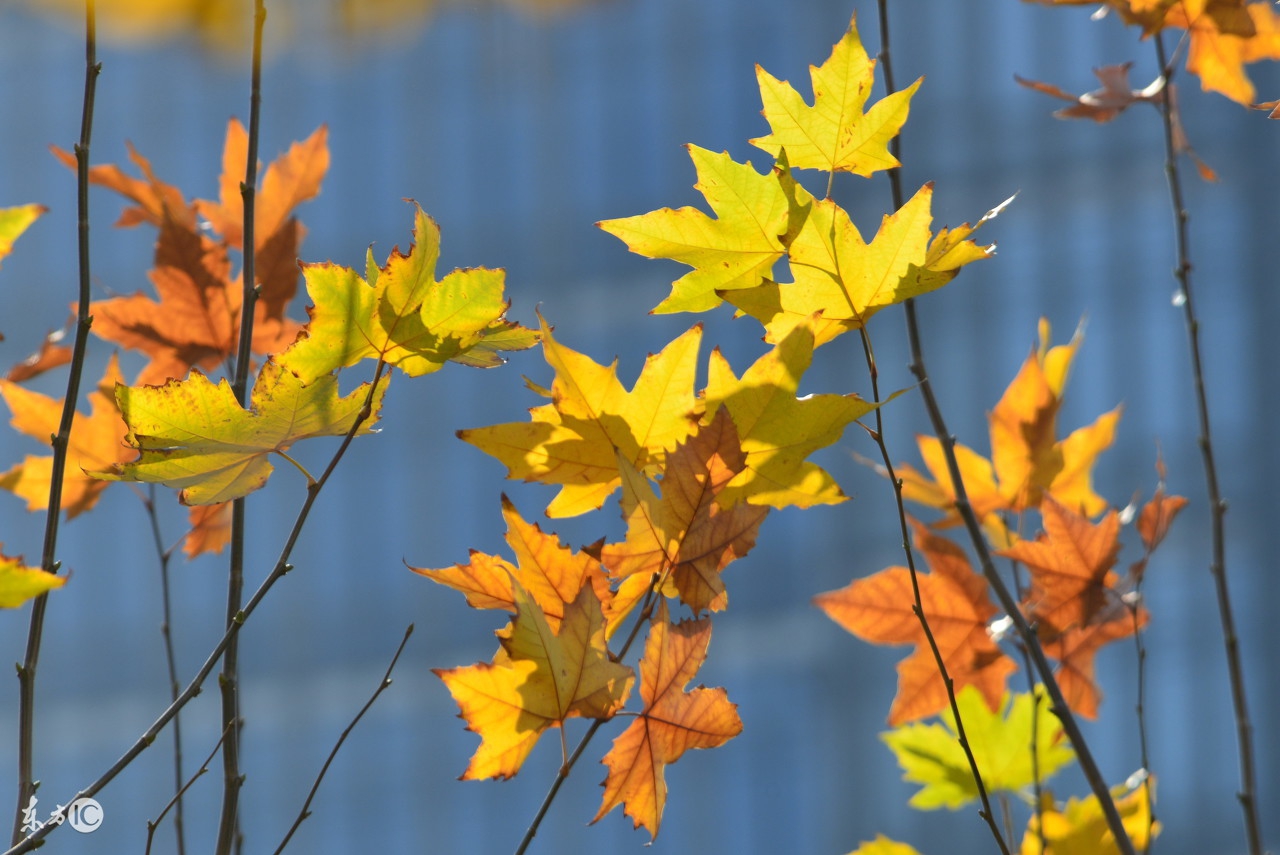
(192, 434)
(97, 441)
(1080, 828)
(1224, 38)
(672, 721)
(845, 278)
(736, 250)
(210, 529)
(979, 484)
(776, 429)
(884, 846)
(834, 134)
(881, 609)
(687, 536)
(545, 568)
(50, 355)
(19, 583)
(1101, 105)
(1070, 565)
(14, 221)
(592, 421)
(537, 680)
(931, 754)
(403, 316)
(1075, 649)
(195, 323)
(1153, 524)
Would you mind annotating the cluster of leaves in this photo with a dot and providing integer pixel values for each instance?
(177, 427)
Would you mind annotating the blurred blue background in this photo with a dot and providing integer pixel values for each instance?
(517, 132)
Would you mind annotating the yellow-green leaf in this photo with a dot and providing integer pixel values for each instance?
(14, 221)
(19, 583)
(778, 430)
(834, 134)
(736, 250)
(401, 314)
(192, 434)
(930, 754)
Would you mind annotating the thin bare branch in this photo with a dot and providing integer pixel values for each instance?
(176, 801)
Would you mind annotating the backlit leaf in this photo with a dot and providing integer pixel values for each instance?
(672, 722)
(1001, 739)
(1080, 828)
(14, 221)
(19, 583)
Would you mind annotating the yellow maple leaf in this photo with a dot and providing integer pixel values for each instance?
(576, 440)
(537, 680)
(834, 134)
(736, 250)
(777, 430)
(1080, 828)
(97, 441)
(14, 221)
(19, 583)
(402, 315)
(192, 434)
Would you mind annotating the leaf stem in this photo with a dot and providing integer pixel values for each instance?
(383, 685)
(1097, 784)
(61, 440)
(193, 687)
(1217, 505)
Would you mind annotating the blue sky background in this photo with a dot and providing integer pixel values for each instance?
(517, 135)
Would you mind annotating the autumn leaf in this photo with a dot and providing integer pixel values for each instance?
(847, 280)
(545, 568)
(687, 536)
(672, 721)
(1070, 565)
(1224, 39)
(210, 530)
(1101, 105)
(576, 440)
(884, 846)
(735, 250)
(777, 430)
(880, 609)
(931, 754)
(1075, 649)
(51, 355)
(1153, 524)
(979, 484)
(195, 322)
(403, 316)
(834, 135)
(19, 583)
(192, 434)
(537, 680)
(1080, 828)
(14, 221)
(96, 442)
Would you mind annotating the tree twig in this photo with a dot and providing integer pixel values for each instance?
(1217, 505)
(61, 440)
(176, 801)
(228, 680)
(1088, 766)
(315, 787)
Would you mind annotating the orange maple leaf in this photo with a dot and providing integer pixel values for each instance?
(1225, 37)
(1070, 565)
(537, 679)
(672, 722)
(686, 536)
(210, 529)
(97, 442)
(881, 609)
(549, 571)
(1075, 650)
(195, 323)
